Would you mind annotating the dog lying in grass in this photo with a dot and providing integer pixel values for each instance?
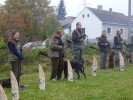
(76, 66)
(6, 83)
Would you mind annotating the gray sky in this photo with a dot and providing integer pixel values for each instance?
(73, 7)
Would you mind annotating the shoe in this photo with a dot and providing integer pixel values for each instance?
(53, 79)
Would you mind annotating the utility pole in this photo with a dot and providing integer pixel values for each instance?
(129, 23)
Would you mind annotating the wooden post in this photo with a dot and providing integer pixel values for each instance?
(14, 87)
(41, 78)
(2, 94)
(94, 66)
(70, 71)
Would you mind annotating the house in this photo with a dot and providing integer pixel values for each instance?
(66, 24)
(95, 20)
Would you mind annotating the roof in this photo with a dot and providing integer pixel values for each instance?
(67, 22)
(110, 16)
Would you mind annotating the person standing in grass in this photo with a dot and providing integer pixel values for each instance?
(78, 37)
(56, 53)
(104, 49)
(118, 43)
(15, 56)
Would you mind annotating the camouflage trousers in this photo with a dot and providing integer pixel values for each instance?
(103, 59)
(77, 56)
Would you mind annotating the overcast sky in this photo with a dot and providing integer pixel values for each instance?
(73, 7)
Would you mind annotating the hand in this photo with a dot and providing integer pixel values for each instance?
(60, 47)
(65, 55)
(106, 44)
(81, 39)
(121, 42)
(21, 58)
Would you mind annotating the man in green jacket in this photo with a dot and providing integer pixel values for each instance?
(56, 53)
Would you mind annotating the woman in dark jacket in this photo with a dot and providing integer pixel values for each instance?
(15, 56)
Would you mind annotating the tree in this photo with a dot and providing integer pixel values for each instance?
(61, 11)
(34, 18)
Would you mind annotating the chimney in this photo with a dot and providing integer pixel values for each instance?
(110, 9)
(99, 7)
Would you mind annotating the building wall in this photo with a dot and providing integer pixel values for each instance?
(114, 28)
(67, 31)
(92, 25)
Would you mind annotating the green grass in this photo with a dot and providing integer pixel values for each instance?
(107, 85)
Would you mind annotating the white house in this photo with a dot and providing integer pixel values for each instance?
(95, 20)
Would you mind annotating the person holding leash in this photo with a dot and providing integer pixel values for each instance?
(78, 37)
(118, 43)
(56, 53)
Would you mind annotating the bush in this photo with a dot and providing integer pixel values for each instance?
(89, 51)
(31, 57)
(3, 53)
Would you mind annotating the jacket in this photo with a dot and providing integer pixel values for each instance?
(77, 45)
(117, 42)
(54, 48)
(15, 51)
(103, 44)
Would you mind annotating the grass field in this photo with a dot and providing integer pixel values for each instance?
(107, 85)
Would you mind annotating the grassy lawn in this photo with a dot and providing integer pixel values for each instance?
(107, 85)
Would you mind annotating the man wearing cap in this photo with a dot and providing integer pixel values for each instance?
(56, 53)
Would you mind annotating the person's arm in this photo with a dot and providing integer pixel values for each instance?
(14, 50)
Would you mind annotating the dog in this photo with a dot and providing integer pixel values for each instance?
(76, 66)
(6, 83)
(111, 60)
(127, 56)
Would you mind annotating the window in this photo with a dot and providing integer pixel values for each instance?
(83, 15)
(83, 30)
(88, 15)
(122, 31)
(108, 30)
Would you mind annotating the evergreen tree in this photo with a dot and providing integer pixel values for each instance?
(61, 11)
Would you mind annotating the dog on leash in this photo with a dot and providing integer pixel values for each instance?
(76, 66)
(111, 60)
